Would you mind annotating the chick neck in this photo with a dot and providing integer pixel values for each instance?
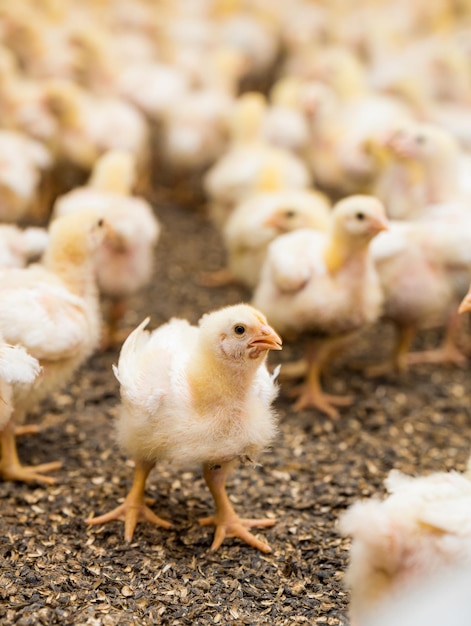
(68, 258)
(342, 247)
(215, 380)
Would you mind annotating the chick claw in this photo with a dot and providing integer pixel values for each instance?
(131, 514)
(237, 527)
(29, 473)
(323, 402)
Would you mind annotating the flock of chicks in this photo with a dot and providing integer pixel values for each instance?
(370, 105)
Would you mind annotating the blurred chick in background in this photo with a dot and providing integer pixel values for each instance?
(124, 261)
(194, 395)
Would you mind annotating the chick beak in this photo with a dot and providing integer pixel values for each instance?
(379, 223)
(273, 222)
(465, 306)
(266, 339)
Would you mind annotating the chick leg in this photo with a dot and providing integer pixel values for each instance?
(310, 394)
(218, 278)
(116, 312)
(134, 509)
(10, 466)
(448, 352)
(226, 520)
(399, 359)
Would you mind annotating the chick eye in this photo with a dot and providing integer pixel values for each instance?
(290, 213)
(239, 329)
(360, 216)
(420, 139)
(100, 222)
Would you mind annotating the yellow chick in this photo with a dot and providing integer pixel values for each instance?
(194, 395)
(91, 125)
(324, 286)
(235, 175)
(51, 311)
(125, 259)
(262, 217)
(420, 530)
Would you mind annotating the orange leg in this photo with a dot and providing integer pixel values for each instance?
(310, 393)
(10, 465)
(134, 509)
(116, 312)
(226, 520)
(399, 359)
(448, 352)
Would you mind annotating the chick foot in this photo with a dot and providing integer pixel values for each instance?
(234, 526)
(309, 397)
(446, 355)
(226, 520)
(134, 509)
(10, 465)
(218, 278)
(29, 473)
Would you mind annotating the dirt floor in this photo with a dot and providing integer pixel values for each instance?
(56, 570)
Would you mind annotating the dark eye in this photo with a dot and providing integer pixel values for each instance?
(290, 213)
(239, 329)
(420, 139)
(360, 216)
(100, 222)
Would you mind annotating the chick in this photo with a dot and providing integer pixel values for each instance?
(422, 167)
(16, 367)
(262, 217)
(23, 168)
(236, 173)
(19, 246)
(324, 285)
(125, 260)
(195, 395)
(52, 312)
(422, 529)
(424, 266)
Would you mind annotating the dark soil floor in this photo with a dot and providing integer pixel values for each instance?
(56, 570)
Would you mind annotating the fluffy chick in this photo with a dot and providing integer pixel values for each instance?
(16, 367)
(424, 266)
(235, 175)
(324, 285)
(257, 221)
(52, 312)
(195, 395)
(125, 259)
(420, 530)
(20, 246)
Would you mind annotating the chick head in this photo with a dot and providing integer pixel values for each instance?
(423, 143)
(115, 172)
(238, 334)
(247, 116)
(289, 216)
(75, 237)
(359, 218)
(61, 98)
(286, 92)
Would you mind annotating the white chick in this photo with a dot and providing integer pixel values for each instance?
(195, 395)
(23, 164)
(52, 311)
(235, 175)
(19, 246)
(16, 367)
(124, 260)
(424, 267)
(324, 285)
(421, 530)
(422, 166)
(262, 217)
